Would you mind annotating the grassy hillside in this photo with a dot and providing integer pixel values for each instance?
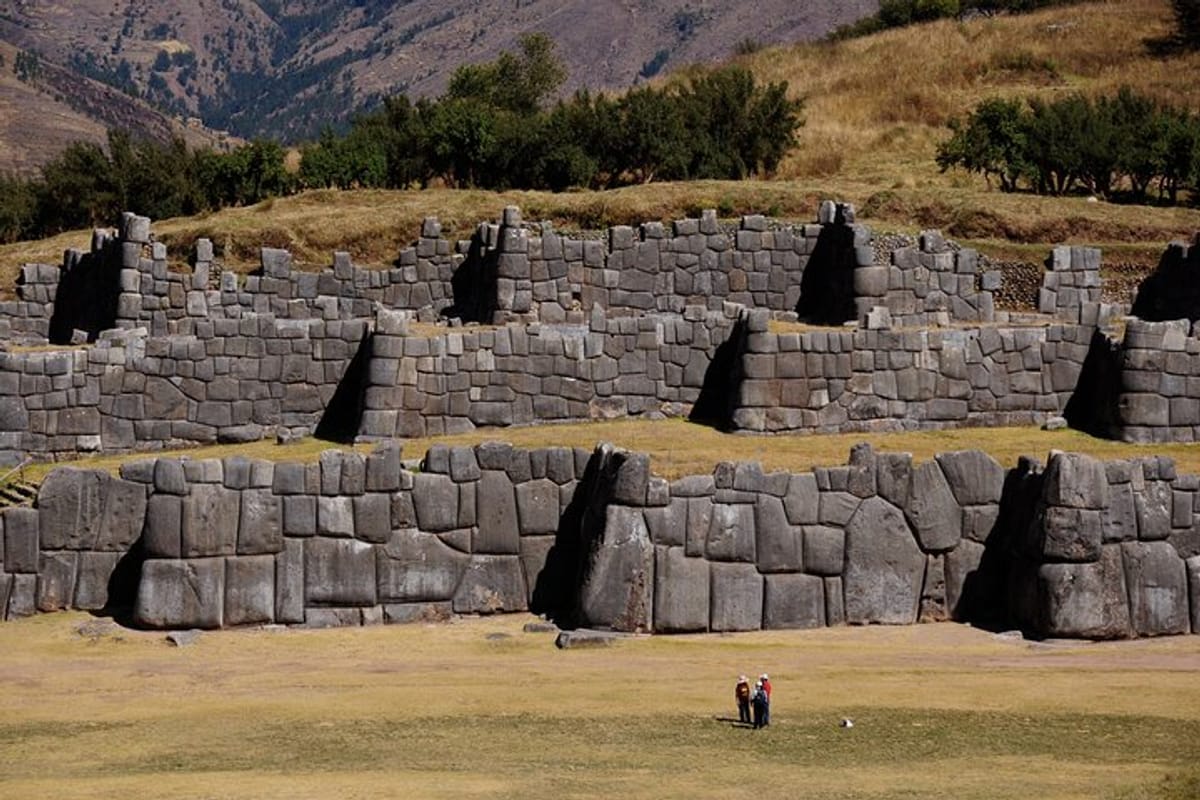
(877, 108)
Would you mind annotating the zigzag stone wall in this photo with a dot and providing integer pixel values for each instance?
(1083, 548)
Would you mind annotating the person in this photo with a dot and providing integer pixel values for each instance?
(765, 680)
(761, 706)
(741, 693)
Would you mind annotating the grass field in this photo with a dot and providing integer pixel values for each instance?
(477, 708)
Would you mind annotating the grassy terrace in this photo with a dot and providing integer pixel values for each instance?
(681, 448)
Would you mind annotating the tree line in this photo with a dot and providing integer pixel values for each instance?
(495, 127)
(1121, 147)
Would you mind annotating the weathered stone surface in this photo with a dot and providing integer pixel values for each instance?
(418, 567)
(681, 592)
(339, 572)
(736, 601)
(731, 534)
(1154, 510)
(70, 506)
(91, 586)
(22, 597)
(333, 617)
(793, 601)
(124, 515)
(700, 514)
(1075, 480)
(884, 566)
(210, 521)
(435, 498)
(835, 606)
(1069, 534)
(169, 477)
(260, 528)
(632, 479)
(535, 550)
(496, 511)
(961, 574)
(406, 613)
(975, 478)
(1156, 579)
(373, 517)
(585, 639)
(933, 510)
(779, 547)
(802, 500)
(6, 582)
(176, 593)
(824, 550)
(537, 507)
(491, 585)
(56, 580)
(289, 583)
(164, 520)
(1084, 600)
(1193, 575)
(618, 591)
(335, 516)
(249, 590)
(893, 477)
(20, 540)
(1118, 521)
(668, 524)
(299, 515)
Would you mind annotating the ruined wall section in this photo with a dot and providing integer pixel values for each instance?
(230, 380)
(1159, 376)
(859, 379)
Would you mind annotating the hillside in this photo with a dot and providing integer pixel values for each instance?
(876, 109)
(285, 68)
(42, 115)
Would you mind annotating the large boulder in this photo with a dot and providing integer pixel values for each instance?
(681, 592)
(537, 507)
(90, 510)
(177, 593)
(779, 547)
(210, 521)
(731, 533)
(1075, 480)
(491, 585)
(793, 601)
(824, 550)
(618, 589)
(496, 509)
(884, 566)
(250, 590)
(975, 478)
(339, 572)
(1156, 579)
(1086, 601)
(260, 530)
(418, 567)
(668, 524)
(736, 598)
(435, 498)
(1069, 534)
(933, 510)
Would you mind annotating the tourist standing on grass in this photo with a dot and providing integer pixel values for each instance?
(741, 693)
(766, 685)
(761, 706)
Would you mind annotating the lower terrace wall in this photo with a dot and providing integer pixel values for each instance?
(1081, 549)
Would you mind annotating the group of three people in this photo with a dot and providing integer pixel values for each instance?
(757, 701)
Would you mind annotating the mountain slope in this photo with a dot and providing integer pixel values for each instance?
(288, 67)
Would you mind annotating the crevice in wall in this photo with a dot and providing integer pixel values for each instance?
(1093, 404)
(343, 414)
(718, 394)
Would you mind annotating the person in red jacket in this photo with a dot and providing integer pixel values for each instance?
(766, 685)
(741, 693)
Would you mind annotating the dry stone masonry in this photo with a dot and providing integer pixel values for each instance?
(759, 327)
(1082, 548)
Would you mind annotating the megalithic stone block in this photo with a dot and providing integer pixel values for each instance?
(736, 600)
(1156, 579)
(682, 588)
(249, 590)
(1086, 601)
(618, 592)
(793, 601)
(490, 585)
(178, 593)
(884, 566)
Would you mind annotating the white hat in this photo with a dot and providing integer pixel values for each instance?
(743, 679)
(763, 677)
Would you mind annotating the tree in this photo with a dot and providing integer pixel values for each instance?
(522, 83)
(990, 141)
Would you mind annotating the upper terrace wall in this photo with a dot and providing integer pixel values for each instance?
(1082, 549)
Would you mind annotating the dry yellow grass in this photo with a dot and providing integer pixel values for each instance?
(679, 448)
(478, 708)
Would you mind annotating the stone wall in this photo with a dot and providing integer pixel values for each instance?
(523, 374)
(1084, 548)
(861, 379)
(1071, 286)
(227, 380)
(1172, 291)
(1159, 382)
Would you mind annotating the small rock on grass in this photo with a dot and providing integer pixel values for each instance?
(540, 627)
(183, 638)
(568, 640)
